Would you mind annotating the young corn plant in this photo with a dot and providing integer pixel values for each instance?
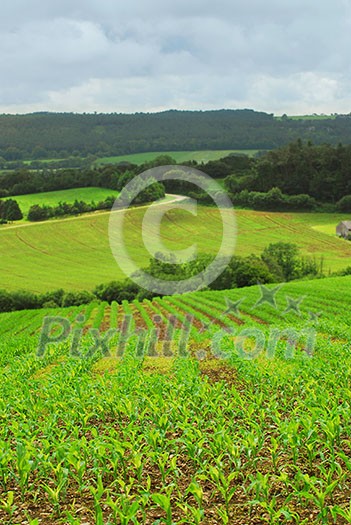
(164, 502)
(274, 515)
(58, 489)
(318, 493)
(261, 485)
(224, 484)
(167, 465)
(124, 509)
(342, 511)
(98, 491)
(79, 466)
(24, 467)
(8, 505)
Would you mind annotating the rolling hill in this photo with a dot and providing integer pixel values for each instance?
(249, 417)
(74, 254)
(58, 135)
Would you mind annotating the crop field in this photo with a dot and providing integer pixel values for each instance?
(53, 198)
(178, 156)
(179, 418)
(75, 254)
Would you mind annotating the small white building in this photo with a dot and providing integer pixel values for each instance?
(343, 229)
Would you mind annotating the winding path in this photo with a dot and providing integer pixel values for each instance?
(170, 199)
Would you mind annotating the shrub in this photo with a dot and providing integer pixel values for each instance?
(24, 300)
(77, 298)
(344, 204)
(55, 297)
(117, 291)
(273, 200)
(38, 213)
(6, 301)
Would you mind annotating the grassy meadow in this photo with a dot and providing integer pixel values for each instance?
(53, 198)
(74, 253)
(178, 156)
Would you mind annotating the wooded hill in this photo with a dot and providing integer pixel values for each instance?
(58, 135)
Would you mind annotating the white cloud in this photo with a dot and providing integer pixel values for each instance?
(283, 56)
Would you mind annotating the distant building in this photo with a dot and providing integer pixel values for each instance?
(343, 229)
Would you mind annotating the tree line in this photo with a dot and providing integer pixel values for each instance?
(43, 213)
(24, 181)
(39, 136)
(70, 162)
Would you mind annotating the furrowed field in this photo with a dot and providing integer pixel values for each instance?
(75, 253)
(204, 428)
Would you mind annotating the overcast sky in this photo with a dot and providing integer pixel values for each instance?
(279, 56)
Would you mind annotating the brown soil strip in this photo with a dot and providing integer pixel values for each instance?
(140, 323)
(210, 317)
(106, 321)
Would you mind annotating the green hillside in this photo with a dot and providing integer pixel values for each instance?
(75, 254)
(320, 296)
(59, 135)
(213, 431)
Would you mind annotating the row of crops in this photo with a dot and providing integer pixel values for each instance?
(318, 304)
(166, 437)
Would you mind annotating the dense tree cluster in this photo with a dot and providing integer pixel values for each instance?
(60, 135)
(10, 211)
(24, 300)
(278, 262)
(322, 172)
(24, 181)
(273, 200)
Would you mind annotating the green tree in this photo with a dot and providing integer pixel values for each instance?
(285, 256)
(344, 204)
(10, 210)
(37, 213)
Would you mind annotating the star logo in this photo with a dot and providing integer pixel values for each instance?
(233, 307)
(293, 305)
(268, 296)
(205, 326)
(201, 355)
(314, 316)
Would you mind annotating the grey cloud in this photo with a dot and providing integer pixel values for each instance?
(283, 56)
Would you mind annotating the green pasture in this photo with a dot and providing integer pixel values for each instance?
(53, 198)
(178, 156)
(74, 253)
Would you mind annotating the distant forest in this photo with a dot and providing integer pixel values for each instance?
(60, 135)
